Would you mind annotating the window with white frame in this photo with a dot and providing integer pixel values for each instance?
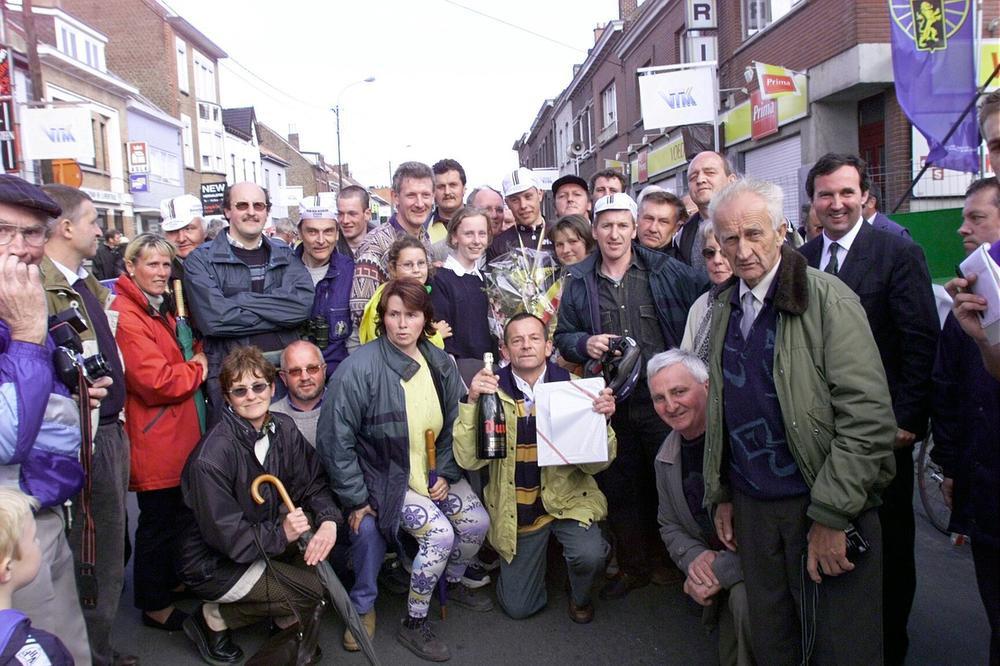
(187, 137)
(164, 167)
(209, 115)
(581, 129)
(79, 45)
(182, 65)
(210, 147)
(204, 78)
(609, 106)
(758, 14)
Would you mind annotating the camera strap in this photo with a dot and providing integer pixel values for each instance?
(86, 576)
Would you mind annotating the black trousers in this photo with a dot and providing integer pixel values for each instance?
(629, 484)
(987, 561)
(162, 520)
(772, 536)
(899, 569)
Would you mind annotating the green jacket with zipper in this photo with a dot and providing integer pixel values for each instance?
(832, 390)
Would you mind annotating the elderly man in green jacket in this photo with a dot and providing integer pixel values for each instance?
(799, 439)
(526, 502)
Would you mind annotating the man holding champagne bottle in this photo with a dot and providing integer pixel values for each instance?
(526, 502)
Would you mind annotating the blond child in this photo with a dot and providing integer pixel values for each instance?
(20, 559)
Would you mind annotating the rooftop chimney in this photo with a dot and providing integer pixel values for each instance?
(598, 31)
(626, 8)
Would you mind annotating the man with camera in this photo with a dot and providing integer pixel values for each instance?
(620, 293)
(332, 274)
(98, 544)
(39, 423)
(244, 288)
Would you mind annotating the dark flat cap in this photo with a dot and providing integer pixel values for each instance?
(19, 192)
(569, 179)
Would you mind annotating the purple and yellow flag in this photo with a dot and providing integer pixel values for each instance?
(933, 60)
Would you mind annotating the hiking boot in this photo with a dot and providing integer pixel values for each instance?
(466, 597)
(417, 636)
(350, 643)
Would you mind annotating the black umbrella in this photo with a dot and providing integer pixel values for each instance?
(338, 594)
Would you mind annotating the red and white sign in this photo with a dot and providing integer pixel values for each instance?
(138, 157)
(763, 116)
(644, 165)
(775, 80)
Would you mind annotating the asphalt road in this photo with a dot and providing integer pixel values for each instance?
(654, 625)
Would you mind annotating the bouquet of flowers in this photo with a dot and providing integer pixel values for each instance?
(522, 280)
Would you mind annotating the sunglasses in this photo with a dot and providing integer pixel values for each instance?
(258, 206)
(311, 369)
(241, 391)
(709, 252)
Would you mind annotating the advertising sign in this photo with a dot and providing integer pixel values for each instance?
(8, 140)
(211, 197)
(701, 15)
(643, 165)
(775, 81)
(57, 133)
(138, 157)
(763, 116)
(678, 97)
(138, 182)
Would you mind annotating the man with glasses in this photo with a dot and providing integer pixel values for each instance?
(302, 370)
(245, 289)
(331, 273)
(41, 429)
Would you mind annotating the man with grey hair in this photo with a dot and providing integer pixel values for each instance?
(489, 199)
(184, 227)
(286, 231)
(678, 384)
(413, 198)
(799, 439)
(661, 217)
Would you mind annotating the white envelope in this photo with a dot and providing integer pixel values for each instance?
(569, 431)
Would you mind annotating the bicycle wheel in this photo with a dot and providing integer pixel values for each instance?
(929, 480)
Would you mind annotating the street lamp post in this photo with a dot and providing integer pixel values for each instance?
(336, 110)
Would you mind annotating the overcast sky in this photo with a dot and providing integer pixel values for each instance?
(450, 82)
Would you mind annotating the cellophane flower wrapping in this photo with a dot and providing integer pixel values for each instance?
(523, 280)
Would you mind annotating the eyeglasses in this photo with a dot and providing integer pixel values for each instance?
(258, 206)
(310, 369)
(412, 265)
(34, 236)
(709, 252)
(241, 391)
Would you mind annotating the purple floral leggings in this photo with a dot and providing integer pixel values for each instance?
(448, 534)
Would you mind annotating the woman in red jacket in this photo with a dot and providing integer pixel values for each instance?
(160, 418)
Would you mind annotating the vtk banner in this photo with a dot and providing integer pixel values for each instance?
(678, 97)
(57, 133)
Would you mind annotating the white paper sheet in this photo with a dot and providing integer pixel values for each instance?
(987, 285)
(569, 431)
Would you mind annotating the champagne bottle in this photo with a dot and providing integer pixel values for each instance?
(491, 431)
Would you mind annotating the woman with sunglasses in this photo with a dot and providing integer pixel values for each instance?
(242, 559)
(699, 321)
(161, 420)
(372, 436)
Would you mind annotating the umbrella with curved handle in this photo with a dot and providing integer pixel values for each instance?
(338, 594)
(185, 338)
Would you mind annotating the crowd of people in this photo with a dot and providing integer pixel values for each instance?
(769, 386)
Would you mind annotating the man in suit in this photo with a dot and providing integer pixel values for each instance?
(707, 173)
(890, 276)
(873, 216)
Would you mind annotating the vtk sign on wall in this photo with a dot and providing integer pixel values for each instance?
(57, 133)
(672, 97)
(701, 15)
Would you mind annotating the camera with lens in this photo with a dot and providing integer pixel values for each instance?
(68, 359)
(317, 331)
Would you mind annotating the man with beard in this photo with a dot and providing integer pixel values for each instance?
(302, 370)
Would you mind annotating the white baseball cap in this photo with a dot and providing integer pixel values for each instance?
(178, 212)
(312, 208)
(615, 201)
(518, 181)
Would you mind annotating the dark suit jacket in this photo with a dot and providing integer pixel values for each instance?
(889, 274)
(883, 223)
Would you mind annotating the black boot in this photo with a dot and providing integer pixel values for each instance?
(215, 647)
